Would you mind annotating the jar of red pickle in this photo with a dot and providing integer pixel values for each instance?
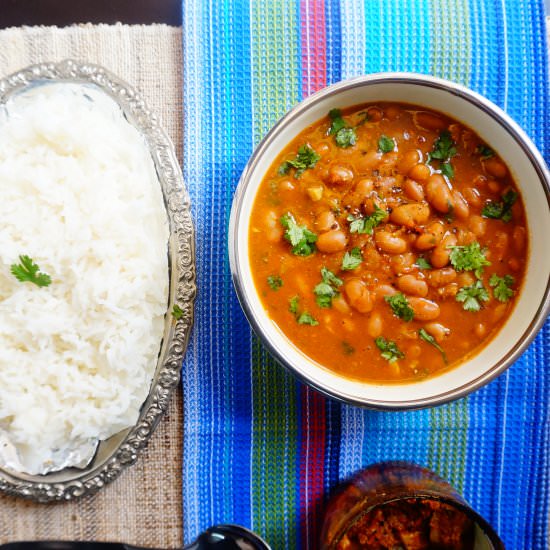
(396, 505)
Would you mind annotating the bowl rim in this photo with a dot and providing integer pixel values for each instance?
(122, 449)
(485, 105)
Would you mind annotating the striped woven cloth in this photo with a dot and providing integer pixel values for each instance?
(261, 449)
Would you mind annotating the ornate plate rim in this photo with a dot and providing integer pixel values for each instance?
(72, 483)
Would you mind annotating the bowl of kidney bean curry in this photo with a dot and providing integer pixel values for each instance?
(388, 242)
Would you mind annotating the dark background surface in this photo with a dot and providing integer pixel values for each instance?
(14, 13)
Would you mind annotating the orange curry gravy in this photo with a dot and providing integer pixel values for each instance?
(388, 242)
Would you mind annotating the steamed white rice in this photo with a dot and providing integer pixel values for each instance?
(80, 196)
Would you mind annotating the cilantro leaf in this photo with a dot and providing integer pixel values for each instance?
(432, 341)
(327, 289)
(352, 259)
(28, 271)
(299, 236)
(423, 263)
(400, 306)
(470, 296)
(485, 152)
(338, 122)
(366, 225)
(501, 287)
(388, 349)
(344, 135)
(444, 147)
(448, 170)
(386, 144)
(306, 318)
(177, 312)
(275, 282)
(500, 210)
(306, 158)
(469, 258)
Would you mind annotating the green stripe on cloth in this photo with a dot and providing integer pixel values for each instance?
(275, 62)
(275, 88)
(274, 455)
(451, 52)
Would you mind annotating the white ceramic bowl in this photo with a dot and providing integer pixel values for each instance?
(527, 166)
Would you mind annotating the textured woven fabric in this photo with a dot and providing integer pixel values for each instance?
(261, 449)
(143, 506)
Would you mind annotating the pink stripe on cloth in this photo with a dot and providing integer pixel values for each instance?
(313, 42)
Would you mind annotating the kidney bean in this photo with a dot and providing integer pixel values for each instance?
(358, 295)
(439, 194)
(392, 244)
(410, 158)
(375, 325)
(495, 167)
(413, 189)
(437, 330)
(411, 215)
(441, 253)
(441, 277)
(424, 310)
(409, 284)
(332, 241)
(325, 221)
(420, 172)
(339, 175)
(429, 121)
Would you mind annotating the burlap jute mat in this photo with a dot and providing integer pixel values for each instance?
(143, 506)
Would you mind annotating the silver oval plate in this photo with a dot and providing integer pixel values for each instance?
(122, 449)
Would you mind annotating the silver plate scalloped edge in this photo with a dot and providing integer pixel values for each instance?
(121, 450)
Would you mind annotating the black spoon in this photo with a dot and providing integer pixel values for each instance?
(219, 537)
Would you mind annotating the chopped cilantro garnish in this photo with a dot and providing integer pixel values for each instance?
(400, 306)
(485, 152)
(444, 147)
(338, 122)
(501, 287)
(443, 150)
(275, 282)
(388, 349)
(303, 318)
(177, 312)
(432, 341)
(386, 144)
(469, 258)
(352, 259)
(306, 318)
(347, 348)
(472, 296)
(365, 225)
(306, 158)
(327, 289)
(29, 272)
(344, 135)
(422, 263)
(299, 236)
(448, 170)
(500, 210)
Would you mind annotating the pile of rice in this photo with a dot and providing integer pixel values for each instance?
(80, 196)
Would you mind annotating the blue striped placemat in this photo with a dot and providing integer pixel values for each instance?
(260, 449)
